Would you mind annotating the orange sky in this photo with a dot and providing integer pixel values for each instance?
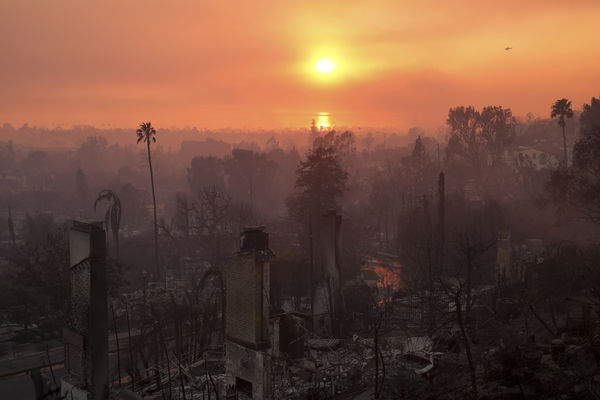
(250, 63)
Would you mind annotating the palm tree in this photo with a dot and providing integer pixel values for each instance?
(146, 133)
(112, 219)
(561, 109)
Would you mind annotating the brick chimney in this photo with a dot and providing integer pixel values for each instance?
(86, 334)
(247, 316)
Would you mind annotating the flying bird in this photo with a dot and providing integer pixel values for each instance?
(508, 48)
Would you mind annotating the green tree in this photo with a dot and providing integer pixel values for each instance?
(419, 152)
(465, 136)
(206, 171)
(561, 109)
(418, 170)
(480, 137)
(250, 176)
(579, 184)
(112, 218)
(497, 126)
(590, 119)
(343, 144)
(320, 181)
(146, 133)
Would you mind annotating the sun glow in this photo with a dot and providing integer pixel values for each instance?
(335, 64)
(325, 66)
(323, 121)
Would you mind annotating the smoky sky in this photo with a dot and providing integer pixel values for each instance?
(247, 64)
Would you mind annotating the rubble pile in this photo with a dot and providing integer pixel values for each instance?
(201, 379)
(563, 369)
(326, 371)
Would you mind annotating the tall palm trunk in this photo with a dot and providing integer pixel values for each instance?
(155, 218)
(565, 144)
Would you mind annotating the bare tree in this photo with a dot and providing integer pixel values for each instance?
(469, 251)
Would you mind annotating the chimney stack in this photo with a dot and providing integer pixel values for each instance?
(86, 334)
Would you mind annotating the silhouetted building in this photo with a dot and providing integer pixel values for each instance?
(209, 147)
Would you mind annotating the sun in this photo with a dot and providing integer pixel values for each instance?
(325, 66)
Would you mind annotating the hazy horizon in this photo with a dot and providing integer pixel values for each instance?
(335, 121)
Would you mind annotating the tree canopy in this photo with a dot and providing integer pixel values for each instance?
(480, 137)
(320, 181)
(579, 184)
(561, 109)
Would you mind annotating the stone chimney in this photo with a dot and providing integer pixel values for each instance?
(86, 334)
(248, 362)
(326, 301)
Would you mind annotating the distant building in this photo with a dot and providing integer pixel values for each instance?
(209, 147)
(539, 159)
(12, 182)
